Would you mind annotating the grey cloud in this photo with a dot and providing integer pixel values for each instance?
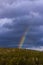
(22, 14)
(18, 8)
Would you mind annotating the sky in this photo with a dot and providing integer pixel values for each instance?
(15, 17)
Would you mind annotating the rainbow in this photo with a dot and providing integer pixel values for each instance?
(23, 38)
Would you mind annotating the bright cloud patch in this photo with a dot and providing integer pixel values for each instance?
(36, 48)
(5, 21)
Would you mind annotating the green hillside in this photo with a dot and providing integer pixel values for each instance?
(12, 56)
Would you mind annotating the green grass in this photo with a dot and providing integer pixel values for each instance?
(15, 56)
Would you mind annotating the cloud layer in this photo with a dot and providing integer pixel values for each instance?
(15, 16)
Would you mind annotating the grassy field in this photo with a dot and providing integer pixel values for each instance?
(12, 56)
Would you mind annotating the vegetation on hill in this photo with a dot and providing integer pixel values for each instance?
(12, 56)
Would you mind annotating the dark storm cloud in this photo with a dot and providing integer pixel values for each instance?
(15, 16)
